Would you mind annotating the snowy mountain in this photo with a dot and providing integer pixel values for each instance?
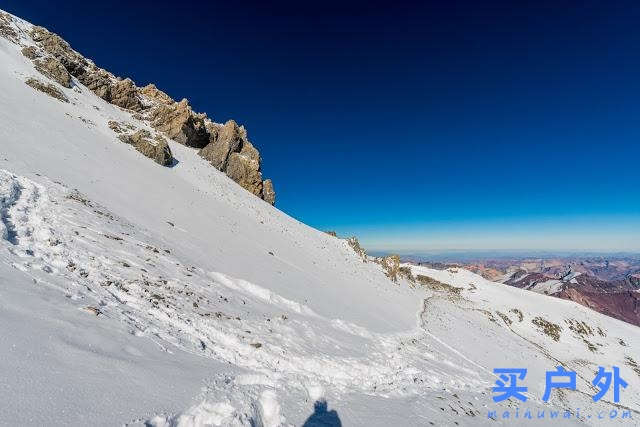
(136, 293)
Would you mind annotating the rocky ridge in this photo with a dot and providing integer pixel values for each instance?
(226, 146)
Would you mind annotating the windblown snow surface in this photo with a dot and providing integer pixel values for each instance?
(133, 294)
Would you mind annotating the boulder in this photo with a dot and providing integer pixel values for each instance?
(52, 68)
(158, 150)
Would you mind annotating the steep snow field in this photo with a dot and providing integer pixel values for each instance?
(133, 293)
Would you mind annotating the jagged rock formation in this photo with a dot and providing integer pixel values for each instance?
(226, 146)
(230, 151)
(180, 123)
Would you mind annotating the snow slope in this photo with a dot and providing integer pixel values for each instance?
(133, 293)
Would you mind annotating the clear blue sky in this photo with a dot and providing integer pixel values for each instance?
(479, 125)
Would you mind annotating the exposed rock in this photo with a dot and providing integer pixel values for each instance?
(31, 52)
(230, 151)
(355, 245)
(179, 122)
(47, 88)
(391, 266)
(268, 193)
(54, 45)
(157, 149)
(156, 95)
(225, 146)
(6, 28)
(124, 94)
(246, 172)
(53, 69)
(136, 137)
(225, 140)
(115, 126)
(99, 83)
(96, 79)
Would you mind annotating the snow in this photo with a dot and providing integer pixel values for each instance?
(132, 293)
(548, 287)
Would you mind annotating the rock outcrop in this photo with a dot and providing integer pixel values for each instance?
(6, 29)
(125, 94)
(31, 52)
(47, 88)
(52, 68)
(230, 151)
(226, 146)
(268, 192)
(178, 121)
(156, 149)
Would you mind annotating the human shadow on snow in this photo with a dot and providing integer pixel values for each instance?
(321, 417)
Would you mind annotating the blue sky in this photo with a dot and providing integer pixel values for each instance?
(442, 126)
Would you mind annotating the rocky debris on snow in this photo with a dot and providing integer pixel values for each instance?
(93, 310)
(53, 69)
(518, 313)
(436, 285)
(507, 321)
(115, 126)
(119, 127)
(30, 52)
(47, 88)
(391, 266)
(405, 272)
(548, 328)
(355, 245)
